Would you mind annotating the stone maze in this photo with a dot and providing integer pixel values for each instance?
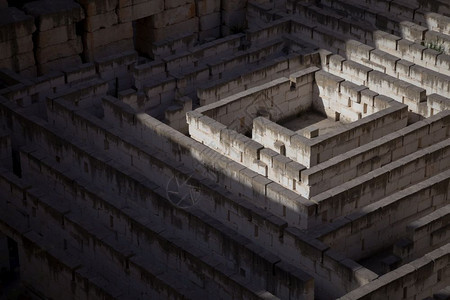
(225, 149)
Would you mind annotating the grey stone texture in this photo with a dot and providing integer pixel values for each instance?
(144, 151)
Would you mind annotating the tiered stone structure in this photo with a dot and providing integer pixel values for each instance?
(225, 149)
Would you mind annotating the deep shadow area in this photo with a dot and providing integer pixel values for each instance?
(309, 120)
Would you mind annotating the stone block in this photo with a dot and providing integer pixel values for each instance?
(105, 20)
(106, 36)
(18, 62)
(259, 184)
(146, 9)
(80, 72)
(206, 7)
(212, 33)
(175, 30)
(56, 36)
(173, 16)
(233, 20)
(385, 40)
(311, 132)
(233, 5)
(357, 51)
(208, 22)
(303, 77)
(10, 48)
(402, 67)
(293, 170)
(97, 7)
(14, 23)
(358, 71)
(69, 48)
(53, 14)
(125, 14)
(412, 31)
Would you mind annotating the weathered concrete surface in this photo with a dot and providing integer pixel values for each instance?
(154, 157)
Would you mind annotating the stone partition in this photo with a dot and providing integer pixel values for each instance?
(40, 265)
(354, 233)
(286, 204)
(186, 59)
(379, 82)
(290, 237)
(57, 43)
(408, 50)
(80, 31)
(379, 152)
(115, 70)
(80, 73)
(253, 218)
(420, 278)
(402, 69)
(176, 114)
(277, 99)
(32, 95)
(100, 173)
(350, 101)
(16, 43)
(123, 224)
(274, 30)
(438, 22)
(143, 73)
(363, 190)
(311, 152)
(224, 149)
(217, 90)
(5, 150)
(394, 19)
(244, 150)
(437, 103)
(108, 28)
(428, 232)
(83, 95)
